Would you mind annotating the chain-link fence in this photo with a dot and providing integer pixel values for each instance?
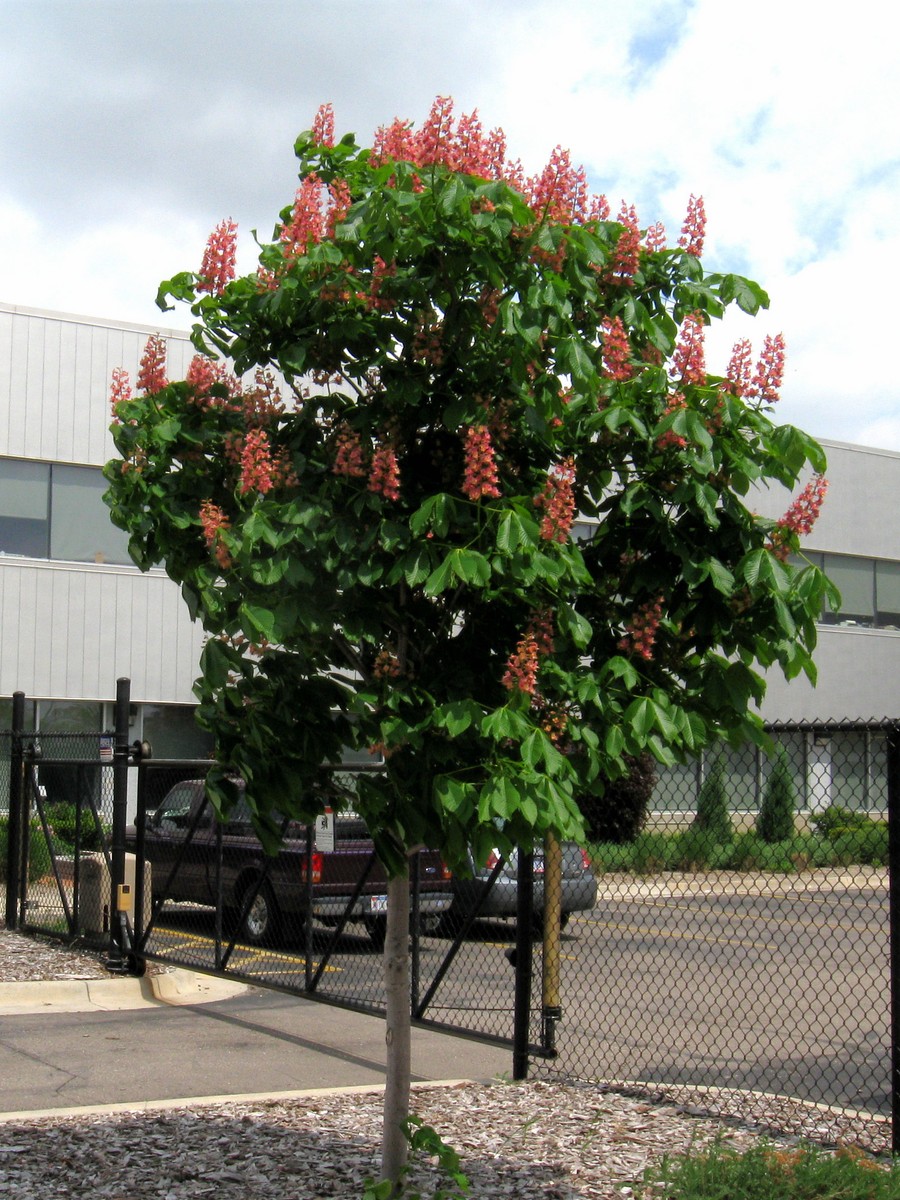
(740, 946)
(725, 935)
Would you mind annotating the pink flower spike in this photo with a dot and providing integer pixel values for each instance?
(655, 238)
(480, 479)
(739, 368)
(616, 350)
(152, 373)
(626, 256)
(689, 361)
(384, 477)
(257, 467)
(557, 500)
(217, 268)
(769, 375)
(323, 126)
(693, 231)
(119, 390)
(522, 666)
(804, 512)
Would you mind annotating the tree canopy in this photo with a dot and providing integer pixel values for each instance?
(449, 479)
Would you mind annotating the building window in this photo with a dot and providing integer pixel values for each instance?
(25, 508)
(56, 511)
(855, 580)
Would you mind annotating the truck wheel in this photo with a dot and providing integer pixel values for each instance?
(260, 923)
(376, 928)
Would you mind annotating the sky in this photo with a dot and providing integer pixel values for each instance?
(131, 127)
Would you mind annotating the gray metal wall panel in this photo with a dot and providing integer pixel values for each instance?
(55, 373)
(70, 633)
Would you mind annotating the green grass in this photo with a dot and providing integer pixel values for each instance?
(766, 1173)
(692, 849)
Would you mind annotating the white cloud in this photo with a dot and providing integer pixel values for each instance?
(126, 137)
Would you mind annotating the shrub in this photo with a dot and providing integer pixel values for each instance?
(695, 850)
(63, 817)
(619, 815)
(775, 822)
(836, 821)
(712, 806)
(39, 854)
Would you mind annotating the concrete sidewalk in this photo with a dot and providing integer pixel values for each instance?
(126, 1042)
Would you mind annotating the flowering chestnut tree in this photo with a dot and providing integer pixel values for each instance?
(450, 479)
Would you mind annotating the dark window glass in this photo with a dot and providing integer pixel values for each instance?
(887, 593)
(80, 525)
(855, 580)
(24, 508)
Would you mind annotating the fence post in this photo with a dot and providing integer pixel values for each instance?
(523, 963)
(893, 801)
(14, 828)
(119, 941)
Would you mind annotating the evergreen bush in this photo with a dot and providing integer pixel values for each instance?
(775, 822)
(712, 815)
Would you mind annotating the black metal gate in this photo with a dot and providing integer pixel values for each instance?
(209, 898)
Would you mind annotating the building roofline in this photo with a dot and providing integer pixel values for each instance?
(103, 322)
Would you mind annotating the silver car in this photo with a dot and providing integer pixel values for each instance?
(579, 887)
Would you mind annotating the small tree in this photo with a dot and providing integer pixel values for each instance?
(619, 815)
(380, 539)
(775, 822)
(712, 817)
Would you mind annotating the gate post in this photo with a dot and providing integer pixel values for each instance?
(14, 828)
(523, 963)
(119, 941)
(893, 800)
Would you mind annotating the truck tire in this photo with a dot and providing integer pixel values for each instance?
(260, 924)
(376, 928)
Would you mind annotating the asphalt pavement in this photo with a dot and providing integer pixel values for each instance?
(188, 1037)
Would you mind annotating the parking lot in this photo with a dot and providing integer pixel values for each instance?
(780, 990)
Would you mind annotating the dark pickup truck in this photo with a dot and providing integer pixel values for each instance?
(184, 868)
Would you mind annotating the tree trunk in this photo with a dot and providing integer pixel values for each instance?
(394, 1146)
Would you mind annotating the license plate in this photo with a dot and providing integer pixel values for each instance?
(378, 904)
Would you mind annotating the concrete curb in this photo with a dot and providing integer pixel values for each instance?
(150, 1106)
(172, 987)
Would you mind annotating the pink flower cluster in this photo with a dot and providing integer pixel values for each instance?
(626, 256)
(119, 390)
(740, 368)
(480, 479)
(349, 457)
(202, 373)
(384, 476)
(381, 271)
(763, 383)
(557, 502)
(256, 463)
(769, 374)
(689, 359)
(671, 439)
(323, 126)
(217, 268)
(616, 350)
(214, 522)
(559, 193)
(522, 666)
(693, 231)
(641, 630)
(152, 374)
(655, 238)
(536, 643)
(804, 512)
